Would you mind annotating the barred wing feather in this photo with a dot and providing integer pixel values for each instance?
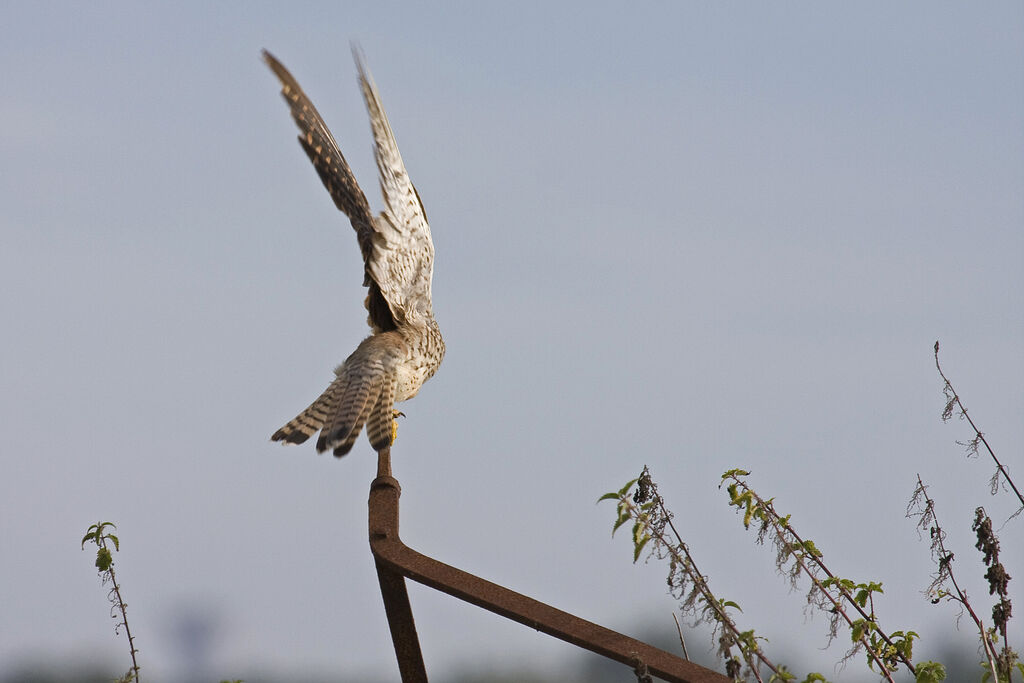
(403, 253)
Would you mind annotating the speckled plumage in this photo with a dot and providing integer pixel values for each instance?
(405, 348)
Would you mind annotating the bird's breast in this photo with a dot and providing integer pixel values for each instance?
(425, 353)
(408, 383)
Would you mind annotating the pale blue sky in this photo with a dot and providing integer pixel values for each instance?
(689, 235)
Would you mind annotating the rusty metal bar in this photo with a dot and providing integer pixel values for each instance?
(395, 561)
(396, 597)
(403, 627)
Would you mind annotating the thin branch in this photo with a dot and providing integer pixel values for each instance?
(953, 397)
(944, 559)
(97, 533)
(701, 582)
(998, 581)
(652, 521)
(682, 641)
(123, 608)
(781, 528)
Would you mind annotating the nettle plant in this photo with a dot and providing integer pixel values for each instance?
(100, 535)
(848, 604)
(103, 539)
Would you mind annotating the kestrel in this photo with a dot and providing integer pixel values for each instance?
(405, 347)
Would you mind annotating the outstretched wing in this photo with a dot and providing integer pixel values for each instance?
(337, 177)
(402, 262)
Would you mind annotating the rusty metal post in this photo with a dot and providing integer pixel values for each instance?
(395, 561)
(392, 583)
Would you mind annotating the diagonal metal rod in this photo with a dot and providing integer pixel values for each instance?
(395, 561)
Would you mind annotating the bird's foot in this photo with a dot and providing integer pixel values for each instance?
(395, 414)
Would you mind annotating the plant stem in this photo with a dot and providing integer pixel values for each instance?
(124, 620)
(977, 432)
(780, 533)
(709, 598)
(961, 597)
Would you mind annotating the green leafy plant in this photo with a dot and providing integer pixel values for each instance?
(99, 534)
(847, 602)
(654, 531)
(844, 600)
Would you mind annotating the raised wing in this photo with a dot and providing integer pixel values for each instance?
(402, 262)
(337, 177)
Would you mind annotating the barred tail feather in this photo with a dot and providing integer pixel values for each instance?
(337, 428)
(351, 412)
(378, 425)
(309, 421)
(345, 446)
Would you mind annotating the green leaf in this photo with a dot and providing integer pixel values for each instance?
(782, 674)
(117, 544)
(623, 518)
(857, 630)
(638, 547)
(747, 516)
(625, 489)
(748, 641)
(103, 559)
(730, 603)
(929, 672)
(733, 491)
(609, 496)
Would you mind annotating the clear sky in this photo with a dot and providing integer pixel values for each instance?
(696, 236)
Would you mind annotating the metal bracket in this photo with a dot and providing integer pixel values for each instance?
(395, 561)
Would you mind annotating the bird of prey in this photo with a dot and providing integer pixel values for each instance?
(405, 347)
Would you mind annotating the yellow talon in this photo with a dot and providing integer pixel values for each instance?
(394, 424)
